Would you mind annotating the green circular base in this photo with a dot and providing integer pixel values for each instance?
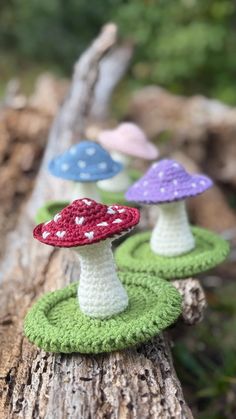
(56, 324)
(110, 198)
(136, 255)
(48, 211)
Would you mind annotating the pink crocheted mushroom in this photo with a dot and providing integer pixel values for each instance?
(124, 142)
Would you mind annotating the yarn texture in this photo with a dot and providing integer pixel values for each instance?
(172, 235)
(56, 324)
(135, 255)
(84, 162)
(85, 222)
(167, 181)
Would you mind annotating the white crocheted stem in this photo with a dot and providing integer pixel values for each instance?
(120, 182)
(85, 190)
(172, 235)
(100, 292)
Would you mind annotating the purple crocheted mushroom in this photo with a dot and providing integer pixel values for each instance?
(168, 184)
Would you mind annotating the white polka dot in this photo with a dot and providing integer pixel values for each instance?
(47, 222)
(45, 234)
(175, 182)
(64, 167)
(162, 190)
(85, 176)
(118, 220)
(81, 164)
(87, 202)
(160, 174)
(121, 210)
(89, 235)
(193, 185)
(145, 193)
(175, 165)
(154, 165)
(176, 193)
(102, 224)
(202, 182)
(79, 220)
(136, 185)
(90, 151)
(145, 183)
(110, 210)
(73, 150)
(56, 217)
(102, 165)
(60, 234)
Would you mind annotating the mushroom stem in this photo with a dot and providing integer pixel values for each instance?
(120, 182)
(85, 190)
(100, 292)
(172, 235)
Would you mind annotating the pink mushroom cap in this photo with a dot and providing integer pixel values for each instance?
(128, 139)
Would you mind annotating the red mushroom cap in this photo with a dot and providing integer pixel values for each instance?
(86, 222)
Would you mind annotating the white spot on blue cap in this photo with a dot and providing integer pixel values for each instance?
(81, 164)
(65, 167)
(73, 150)
(102, 165)
(84, 176)
(90, 151)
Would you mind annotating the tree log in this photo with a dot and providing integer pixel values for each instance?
(135, 383)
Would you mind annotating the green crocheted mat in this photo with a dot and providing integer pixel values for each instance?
(110, 198)
(136, 255)
(48, 211)
(56, 324)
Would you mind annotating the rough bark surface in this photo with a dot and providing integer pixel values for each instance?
(136, 383)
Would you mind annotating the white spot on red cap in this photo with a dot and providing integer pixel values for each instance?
(121, 210)
(45, 234)
(87, 202)
(102, 224)
(89, 235)
(90, 151)
(81, 164)
(56, 217)
(118, 220)
(60, 234)
(79, 220)
(110, 210)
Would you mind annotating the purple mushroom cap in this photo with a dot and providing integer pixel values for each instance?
(167, 181)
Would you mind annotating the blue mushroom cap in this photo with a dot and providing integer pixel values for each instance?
(86, 161)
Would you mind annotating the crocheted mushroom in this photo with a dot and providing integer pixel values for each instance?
(90, 227)
(168, 184)
(124, 142)
(85, 163)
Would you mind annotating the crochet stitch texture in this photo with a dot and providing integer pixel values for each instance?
(56, 324)
(135, 255)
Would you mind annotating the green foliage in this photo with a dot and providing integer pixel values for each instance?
(187, 46)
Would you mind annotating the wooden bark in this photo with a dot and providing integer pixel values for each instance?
(135, 383)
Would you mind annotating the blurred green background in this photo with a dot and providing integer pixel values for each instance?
(187, 46)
